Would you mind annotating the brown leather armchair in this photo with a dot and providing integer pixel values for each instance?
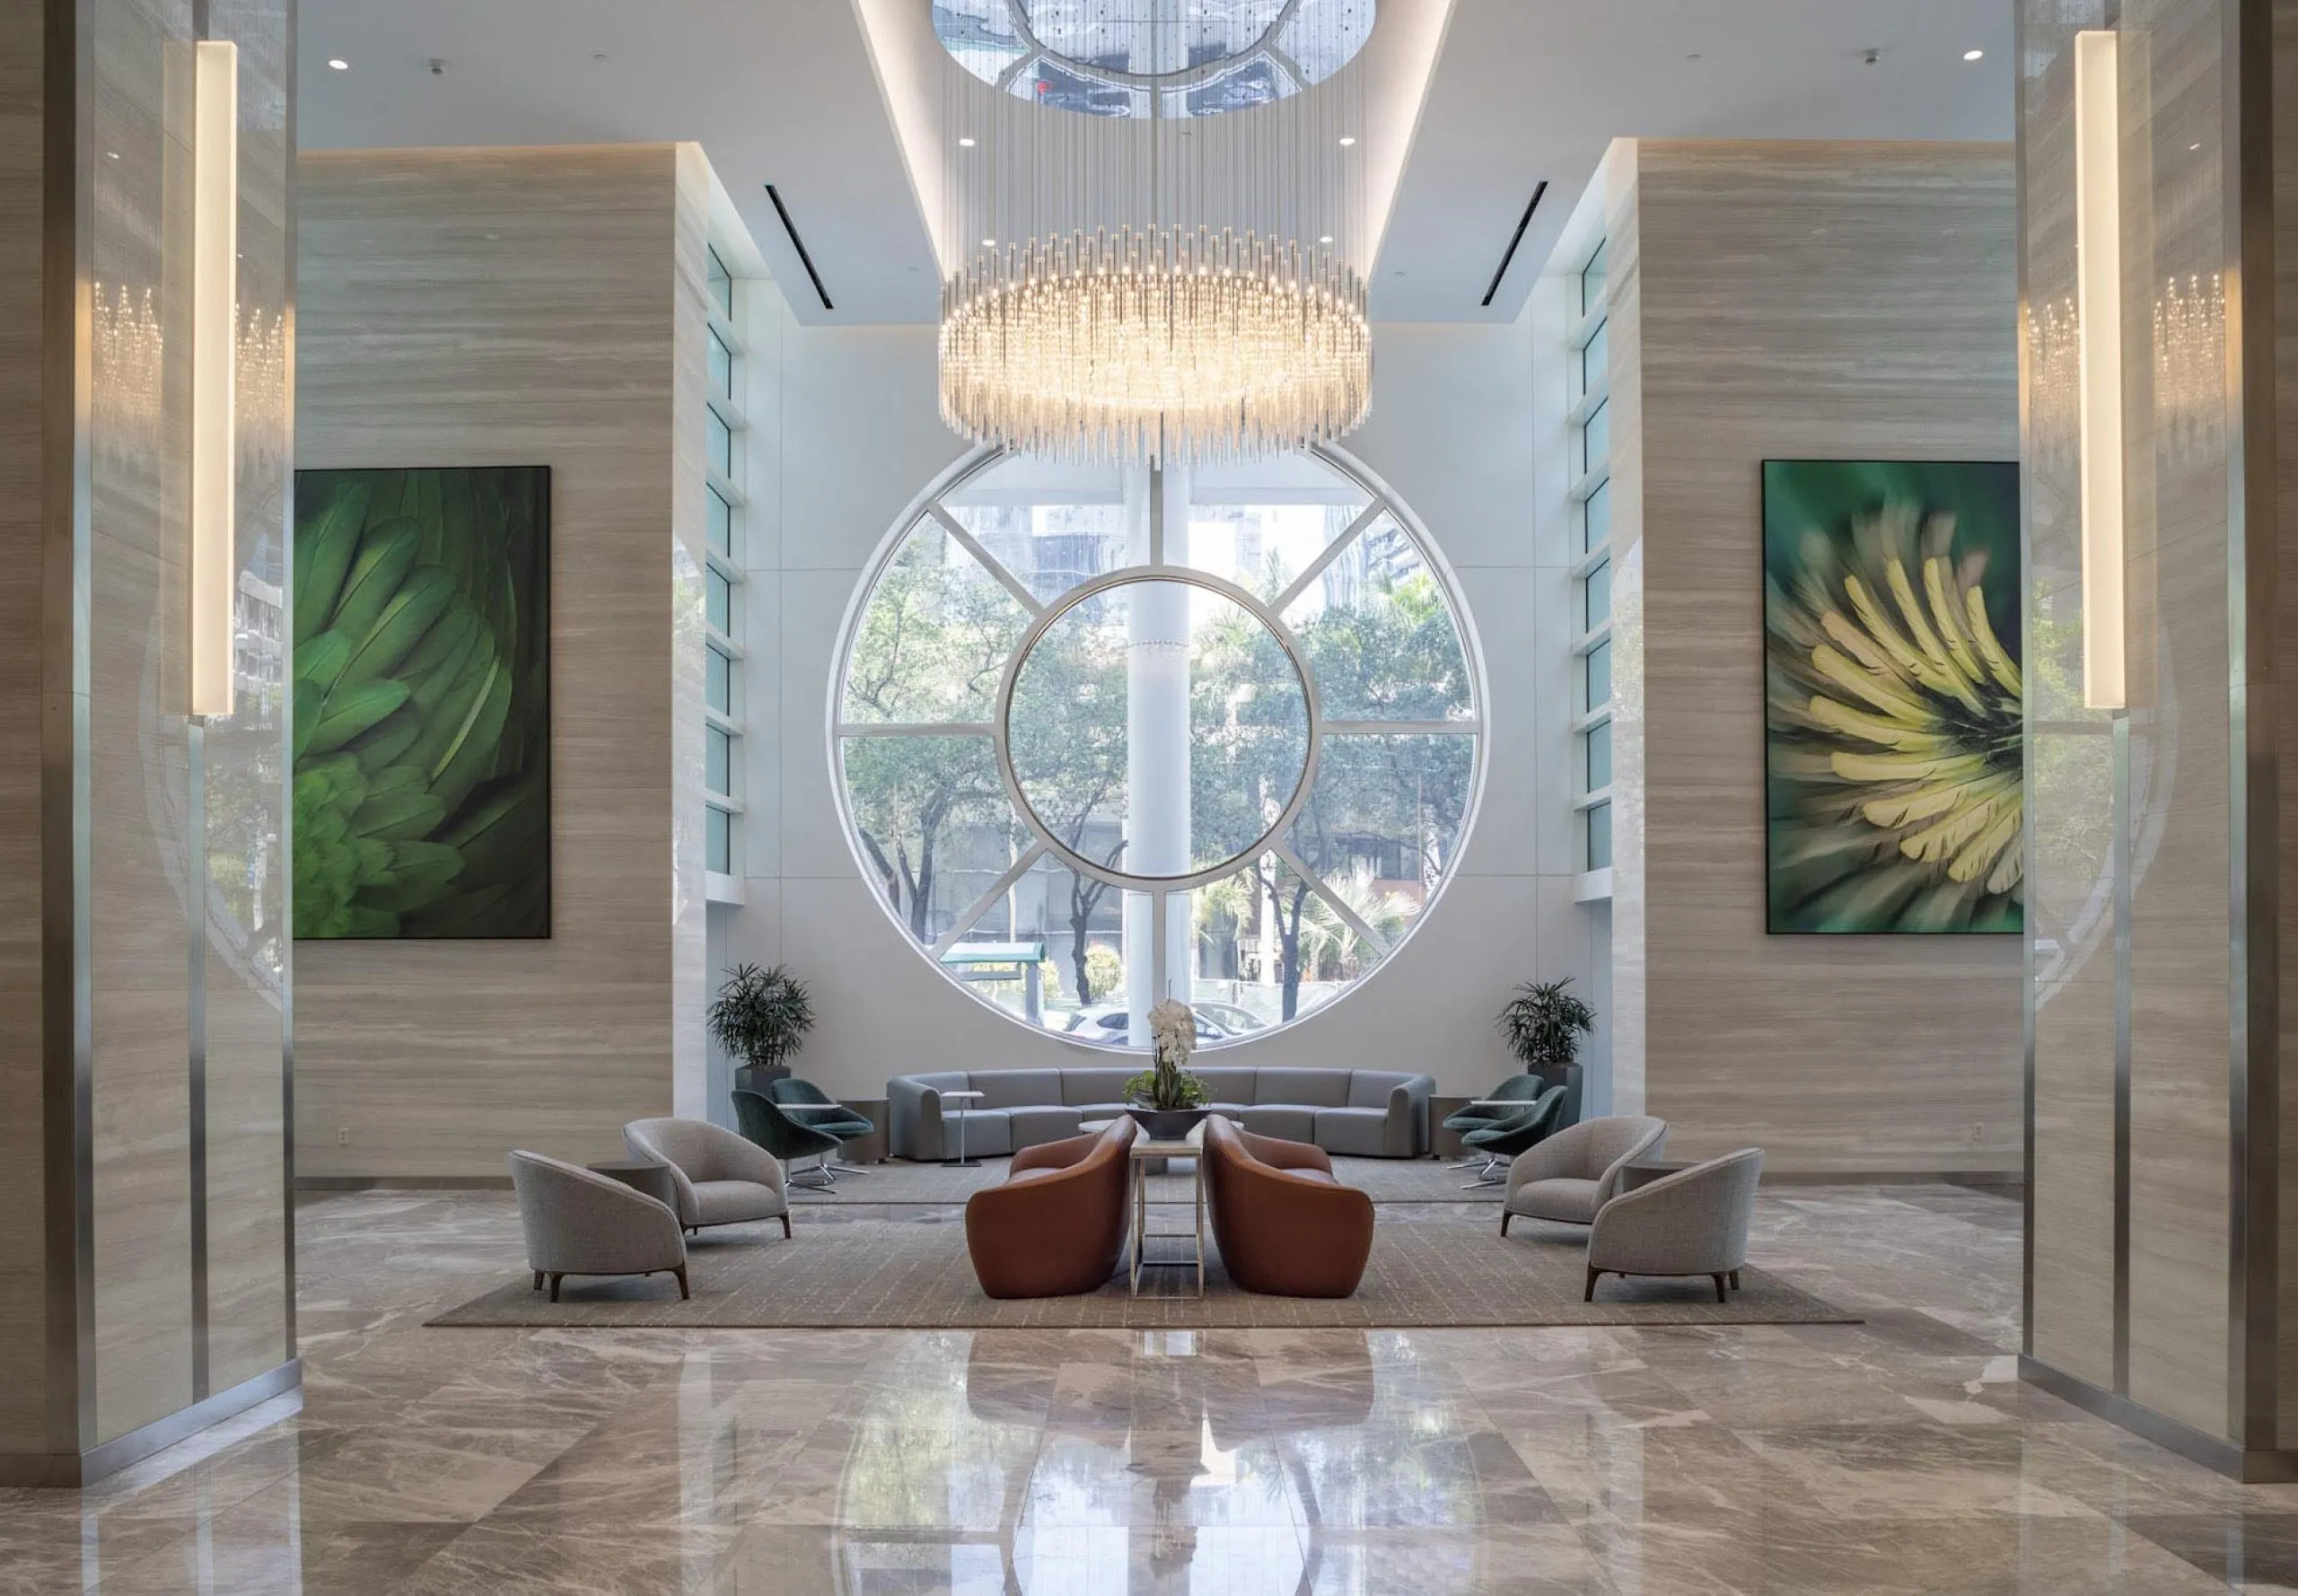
(1058, 1224)
(1284, 1226)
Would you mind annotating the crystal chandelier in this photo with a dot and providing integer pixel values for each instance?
(1133, 189)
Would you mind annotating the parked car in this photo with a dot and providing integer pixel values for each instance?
(1112, 1023)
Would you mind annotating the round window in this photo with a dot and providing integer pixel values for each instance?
(1105, 737)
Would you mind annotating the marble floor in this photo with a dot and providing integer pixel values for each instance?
(1899, 1455)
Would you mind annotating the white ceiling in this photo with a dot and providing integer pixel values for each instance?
(787, 91)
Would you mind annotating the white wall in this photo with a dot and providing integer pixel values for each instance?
(853, 420)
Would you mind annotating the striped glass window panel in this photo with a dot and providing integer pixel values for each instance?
(721, 605)
(1596, 596)
(1594, 355)
(721, 445)
(718, 841)
(722, 525)
(1596, 516)
(718, 681)
(1599, 758)
(721, 284)
(1591, 282)
(1599, 826)
(721, 369)
(720, 760)
(1598, 677)
(1596, 437)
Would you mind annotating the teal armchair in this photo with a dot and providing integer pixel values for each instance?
(771, 1126)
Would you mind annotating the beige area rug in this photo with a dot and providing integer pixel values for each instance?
(895, 1273)
(1383, 1179)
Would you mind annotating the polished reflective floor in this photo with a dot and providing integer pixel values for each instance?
(1899, 1455)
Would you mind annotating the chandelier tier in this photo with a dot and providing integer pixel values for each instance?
(1128, 346)
(1132, 192)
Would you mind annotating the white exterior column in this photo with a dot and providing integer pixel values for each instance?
(1157, 740)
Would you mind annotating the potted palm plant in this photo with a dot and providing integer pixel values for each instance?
(761, 1017)
(1166, 1099)
(1543, 1024)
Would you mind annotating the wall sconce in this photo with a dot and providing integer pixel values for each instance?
(2097, 231)
(215, 330)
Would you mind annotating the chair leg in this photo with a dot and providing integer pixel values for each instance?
(1735, 1280)
(786, 1227)
(1504, 1217)
(537, 1286)
(680, 1273)
(1590, 1294)
(555, 1279)
(1722, 1295)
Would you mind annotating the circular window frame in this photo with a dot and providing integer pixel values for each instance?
(1002, 725)
(929, 505)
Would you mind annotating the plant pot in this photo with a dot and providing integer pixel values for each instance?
(1166, 1125)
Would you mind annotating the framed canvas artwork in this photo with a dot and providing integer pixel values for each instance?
(422, 703)
(1893, 693)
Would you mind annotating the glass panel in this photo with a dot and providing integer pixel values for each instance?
(934, 641)
(720, 446)
(1599, 758)
(1260, 523)
(721, 369)
(1266, 947)
(1596, 516)
(1380, 637)
(1596, 437)
(1596, 596)
(1593, 356)
(721, 524)
(1208, 690)
(1591, 282)
(1598, 828)
(721, 284)
(718, 841)
(720, 601)
(1052, 525)
(719, 762)
(718, 681)
(1598, 679)
(934, 822)
(1050, 948)
(1384, 819)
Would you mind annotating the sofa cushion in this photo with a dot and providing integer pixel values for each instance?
(1308, 1088)
(1031, 1126)
(1083, 1088)
(1228, 1083)
(1561, 1197)
(1098, 1111)
(988, 1133)
(1361, 1133)
(1367, 1089)
(1286, 1122)
(1015, 1089)
(730, 1202)
(1236, 1111)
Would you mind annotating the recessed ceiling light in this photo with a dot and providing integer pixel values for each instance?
(965, 144)
(2190, 148)
(1326, 240)
(989, 244)
(1347, 139)
(339, 64)
(1973, 55)
(114, 154)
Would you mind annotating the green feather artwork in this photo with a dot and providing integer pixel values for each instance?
(1893, 697)
(422, 703)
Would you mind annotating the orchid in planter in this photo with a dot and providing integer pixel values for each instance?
(1167, 1099)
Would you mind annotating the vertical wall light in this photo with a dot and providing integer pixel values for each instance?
(2098, 230)
(215, 333)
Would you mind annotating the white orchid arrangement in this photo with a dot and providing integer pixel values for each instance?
(1168, 1083)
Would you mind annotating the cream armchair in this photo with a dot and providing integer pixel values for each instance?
(720, 1178)
(1694, 1222)
(1575, 1172)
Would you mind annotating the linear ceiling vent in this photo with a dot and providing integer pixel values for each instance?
(807, 260)
(1523, 221)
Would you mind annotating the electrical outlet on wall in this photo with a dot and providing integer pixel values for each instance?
(1978, 1134)
(343, 1135)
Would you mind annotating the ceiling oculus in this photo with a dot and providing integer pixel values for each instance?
(1148, 169)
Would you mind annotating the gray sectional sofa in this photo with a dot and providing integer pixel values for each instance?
(1367, 1113)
